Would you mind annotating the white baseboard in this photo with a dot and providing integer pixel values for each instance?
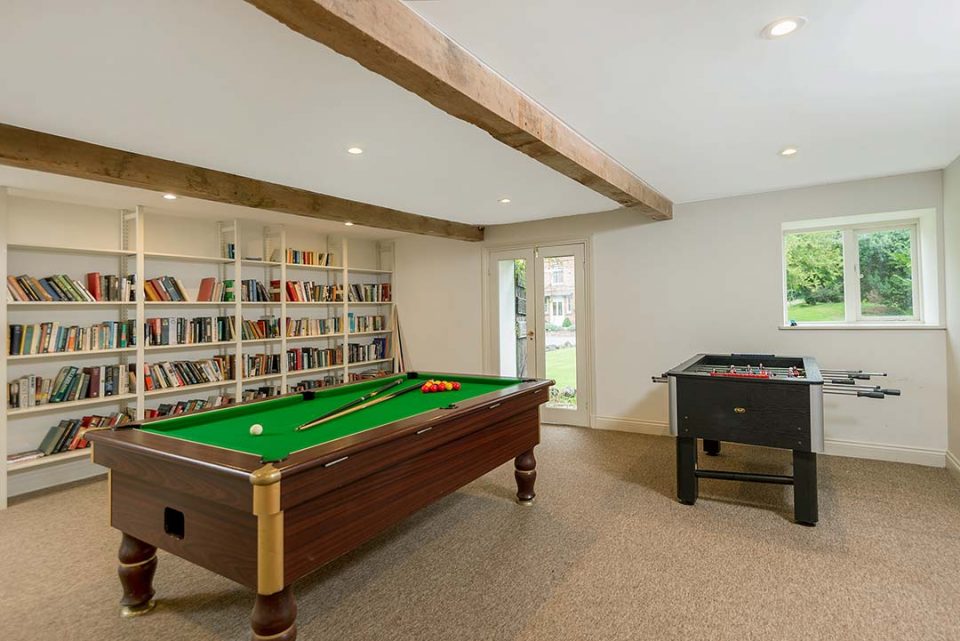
(884, 452)
(634, 425)
(40, 478)
(953, 464)
(834, 447)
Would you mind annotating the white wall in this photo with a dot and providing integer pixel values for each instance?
(437, 289)
(951, 229)
(708, 281)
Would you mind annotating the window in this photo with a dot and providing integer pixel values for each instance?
(556, 273)
(852, 273)
(557, 306)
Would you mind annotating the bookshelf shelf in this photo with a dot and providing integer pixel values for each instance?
(53, 459)
(373, 362)
(262, 377)
(189, 303)
(68, 304)
(313, 370)
(370, 302)
(186, 389)
(314, 337)
(84, 251)
(318, 268)
(363, 270)
(78, 354)
(186, 248)
(187, 258)
(170, 348)
(67, 407)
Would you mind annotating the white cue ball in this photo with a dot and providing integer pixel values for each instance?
(256, 429)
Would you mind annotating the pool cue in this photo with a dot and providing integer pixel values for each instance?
(363, 399)
(356, 408)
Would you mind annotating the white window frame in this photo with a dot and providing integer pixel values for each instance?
(850, 233)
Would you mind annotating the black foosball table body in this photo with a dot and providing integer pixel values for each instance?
(765, 400)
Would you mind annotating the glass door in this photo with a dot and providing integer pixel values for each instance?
(560, 334)
(512, 319)
(535, 295)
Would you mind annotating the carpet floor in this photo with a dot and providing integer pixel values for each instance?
(605, 554)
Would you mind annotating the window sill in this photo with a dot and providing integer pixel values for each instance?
(869, 326)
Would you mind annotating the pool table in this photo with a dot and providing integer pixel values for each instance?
(265, 510)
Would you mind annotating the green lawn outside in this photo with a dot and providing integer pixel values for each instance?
(562, 366)
(803, 313)
(812, 313)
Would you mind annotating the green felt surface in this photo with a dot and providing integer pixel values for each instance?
(230, 427)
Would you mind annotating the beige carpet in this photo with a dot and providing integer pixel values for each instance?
(605, 554)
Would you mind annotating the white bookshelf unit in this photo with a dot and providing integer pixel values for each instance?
(43, 237)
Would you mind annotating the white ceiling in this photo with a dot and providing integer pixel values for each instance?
(218, 83)
(688, 96)
(43, 186)
(683, 92)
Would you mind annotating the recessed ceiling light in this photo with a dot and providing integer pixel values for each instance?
(348, 224)
(788, 151)
(170, 196)
(504, 201)
(782, 27)
(356, 151)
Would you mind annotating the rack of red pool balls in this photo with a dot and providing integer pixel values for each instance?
(439, 386)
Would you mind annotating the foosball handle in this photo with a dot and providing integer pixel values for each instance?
(891, 392)
(870, 394)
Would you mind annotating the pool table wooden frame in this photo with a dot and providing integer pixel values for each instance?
(267, 525)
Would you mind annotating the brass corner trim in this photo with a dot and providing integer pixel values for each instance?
(266, 475)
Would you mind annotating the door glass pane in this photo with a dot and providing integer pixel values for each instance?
(886, 273)
(512, 321)
(814, 263)
(560, 324)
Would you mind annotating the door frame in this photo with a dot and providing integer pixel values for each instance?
(490, 322)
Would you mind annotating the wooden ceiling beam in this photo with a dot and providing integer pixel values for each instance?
(40, 151)
(391, 40)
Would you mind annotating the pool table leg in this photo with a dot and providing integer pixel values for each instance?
(138, 563)
(275, 616)
(526, 474)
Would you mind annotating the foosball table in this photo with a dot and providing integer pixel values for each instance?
(757, 399)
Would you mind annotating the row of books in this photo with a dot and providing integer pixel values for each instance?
(70, 384)
(313, 326)
(316, 383)
(299, 257)
(261, 364)
(185, 407)
(301, 358)
(370, 292)
(52, 337)
(188, 331)
(308, 291)
(374, 350)
(167, 374)
(165, 289)
(62, 288)
(266, 327)
(366, 323)
(68, 435)
(213, 290)
(368, 375)
(264, 391)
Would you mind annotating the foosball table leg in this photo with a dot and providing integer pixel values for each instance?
(711, 448)
(805, 508)
(687, 488)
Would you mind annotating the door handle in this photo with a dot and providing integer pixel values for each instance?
(531, 335)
